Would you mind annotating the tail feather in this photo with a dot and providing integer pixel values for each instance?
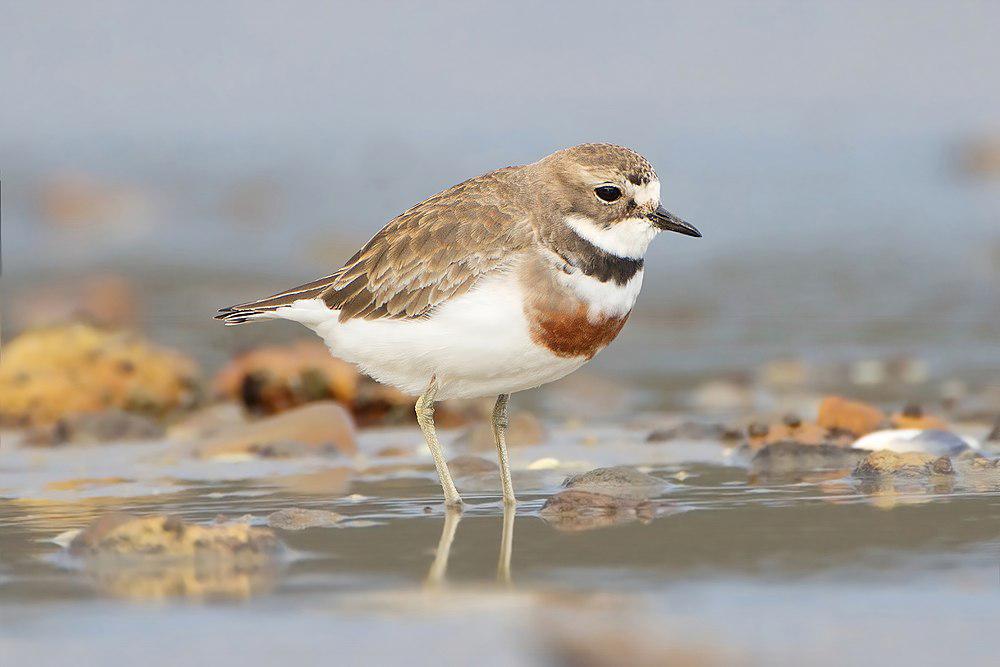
(264, 309)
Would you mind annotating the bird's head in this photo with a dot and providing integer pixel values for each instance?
(609, 195)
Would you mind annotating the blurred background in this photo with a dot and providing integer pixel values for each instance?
(842, 159)
(162, 160)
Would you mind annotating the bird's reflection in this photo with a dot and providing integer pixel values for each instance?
(439, 568)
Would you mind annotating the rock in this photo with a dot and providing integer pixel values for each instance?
(909, 464)
(840, 414)
(462, 466)
(49, 374)
(326, 483)
(784, 458)
(525, 429)
(106, 300)
(934, 442)
(696, 431)
(912, 416)
(128, 536)
(273, 379)
(576, 509)
(978, 463)
(207, 422)
(157, 557)
(791, 429)
(319, 428)
(298, 518)
(95, 427)
(618, 482)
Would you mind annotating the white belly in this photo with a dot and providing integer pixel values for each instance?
(477, 344)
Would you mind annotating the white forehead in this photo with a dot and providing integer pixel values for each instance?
(648, 193)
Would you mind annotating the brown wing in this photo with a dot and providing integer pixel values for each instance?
(423, 257)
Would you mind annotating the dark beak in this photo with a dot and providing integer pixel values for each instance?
(666, 220)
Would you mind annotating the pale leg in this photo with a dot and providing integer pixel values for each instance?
(425, 418)
(500, 436)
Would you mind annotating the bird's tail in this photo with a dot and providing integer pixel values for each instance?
(266, 308)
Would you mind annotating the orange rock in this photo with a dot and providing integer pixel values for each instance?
(912, 416)
(47, 374)
(841, 414)
(272, 379)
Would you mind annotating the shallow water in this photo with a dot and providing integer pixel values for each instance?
(717, 569)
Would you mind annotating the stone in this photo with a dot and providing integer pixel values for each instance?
(462, 466)
(48, 374)
(791, 429)
(788, 457)
(907, 464)
(207, 422)
(95, 427)
(696, 431)
(618, 482)
(298, 518)
(841, 414)
(576, 510)
(319, 428)
(524, 430)
(272, 379)
(913, 416)
(123, 535)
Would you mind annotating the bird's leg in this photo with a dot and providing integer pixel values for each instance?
(506, 545)
(440, 565)
(425, 418)
(500, 424)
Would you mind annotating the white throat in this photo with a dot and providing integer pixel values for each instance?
(628, 238)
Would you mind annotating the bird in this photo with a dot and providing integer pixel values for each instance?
(504, 282)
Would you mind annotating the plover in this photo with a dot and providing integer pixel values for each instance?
(502, 283)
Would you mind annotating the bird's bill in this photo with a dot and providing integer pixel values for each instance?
(667, 221)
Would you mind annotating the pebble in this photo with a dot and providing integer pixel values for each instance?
(297, 518)
(782, 458)
(908, 464)
(617, 482)
(95, 427)
(161, 536)
(318, 428)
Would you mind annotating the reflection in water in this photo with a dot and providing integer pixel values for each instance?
(193, 579)
(439, 567)
(452, 517)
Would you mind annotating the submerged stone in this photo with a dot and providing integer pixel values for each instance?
(121, 535)
(907, 464)
(298, 518)
(617, 481)
(782, 458)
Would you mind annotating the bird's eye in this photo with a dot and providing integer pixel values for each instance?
(608, 193)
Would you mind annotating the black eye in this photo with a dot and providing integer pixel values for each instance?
(608, 193)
